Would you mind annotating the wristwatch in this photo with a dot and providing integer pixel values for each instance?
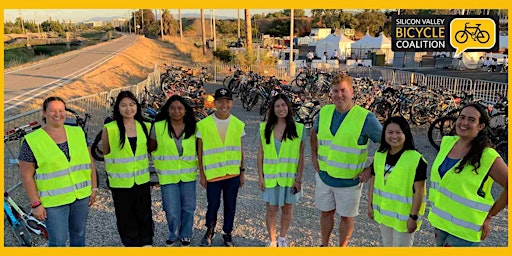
(242, 169)
(413, 217)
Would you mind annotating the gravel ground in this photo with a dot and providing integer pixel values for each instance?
(250, 230)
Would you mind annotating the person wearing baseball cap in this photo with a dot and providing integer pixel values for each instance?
(221, 162)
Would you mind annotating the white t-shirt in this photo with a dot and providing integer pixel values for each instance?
(222, 127)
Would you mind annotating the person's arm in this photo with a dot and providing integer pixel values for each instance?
(152, 140)
(27, 171)
(242, 174)
(104, 142)
(314, 149)
(370, 197)
(372, 130)
(94, 181)
(202, 177)
(499, 173)
(259, 165)
(419, 188)
(300, 168)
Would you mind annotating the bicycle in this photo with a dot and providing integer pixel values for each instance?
(20, 231)
(479, 35)
(31, 223)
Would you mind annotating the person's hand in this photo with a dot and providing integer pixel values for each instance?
(242, 179)
(297, 186)
(364, 176)
(411, 225)
(486, 228)
(92, 198)
(370, 211)
(202, 180)
(261, 184)
(39, 213)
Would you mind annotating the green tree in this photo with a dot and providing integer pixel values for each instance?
(372, 21)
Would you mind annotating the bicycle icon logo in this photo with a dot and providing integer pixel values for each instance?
(474, 32)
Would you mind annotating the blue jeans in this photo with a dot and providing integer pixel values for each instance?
(70, 218)
(229, 189)
(444, 239)
(179, 203)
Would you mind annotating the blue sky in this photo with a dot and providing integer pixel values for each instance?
(84, 14)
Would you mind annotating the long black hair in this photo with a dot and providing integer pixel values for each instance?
(119, 118)
(50, 99)
(290, 132)
(479, 143)
(189, 119)
(406, 129)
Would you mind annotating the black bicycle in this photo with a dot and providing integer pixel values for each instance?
(479, 35)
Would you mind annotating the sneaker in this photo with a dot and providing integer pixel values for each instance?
(271, 244)
(169, 242)
(281, 243)
(207, 239)
(185, 241)
(228, 240)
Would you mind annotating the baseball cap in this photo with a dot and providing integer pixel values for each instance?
(223, 93)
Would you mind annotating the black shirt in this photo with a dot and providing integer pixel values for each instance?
(421, 170)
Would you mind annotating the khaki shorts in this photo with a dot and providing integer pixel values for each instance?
(345, 199)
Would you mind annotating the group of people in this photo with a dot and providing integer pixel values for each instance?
(490, 64)
(59, 177)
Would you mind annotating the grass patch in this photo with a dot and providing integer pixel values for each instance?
(22, 55)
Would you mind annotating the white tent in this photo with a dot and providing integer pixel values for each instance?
(330, 43)
(369, 43)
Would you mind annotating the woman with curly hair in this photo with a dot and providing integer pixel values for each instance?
(173, 145)
(461, 180)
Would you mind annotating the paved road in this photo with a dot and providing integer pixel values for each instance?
(24, 84)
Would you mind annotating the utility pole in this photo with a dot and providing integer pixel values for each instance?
(203, 32)
(130, 25)
(292, 63)
(162, 24)
(37, 22)
(211, 24)
(181, 25)
(142, 20)
(214, 33)
(238, 23)
(248, 31)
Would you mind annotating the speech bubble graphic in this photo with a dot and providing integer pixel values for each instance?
(472, 33)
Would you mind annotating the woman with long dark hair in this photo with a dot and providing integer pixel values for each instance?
(397, 188)
(461, 180)
(173, 143)
(280, 164)
(125, 145)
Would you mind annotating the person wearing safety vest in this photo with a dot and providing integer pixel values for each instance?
(397, 188)
(58, 176)
(280, 164)
(125, 146)
(339, 141)
(461, 179)
(221, 164)
(173, 146)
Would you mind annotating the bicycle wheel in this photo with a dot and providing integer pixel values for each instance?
(97, 148)
(381, 109)
(226, 81)
(461, 36)
(253, 102)
(483, 37)
(423, 111)
(444, 126)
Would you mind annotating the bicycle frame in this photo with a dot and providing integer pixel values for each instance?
(20, 231)
(31, 223)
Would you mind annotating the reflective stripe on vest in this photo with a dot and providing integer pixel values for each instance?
(124, 169)
(280, 169)
(340, 155)
(221, 158)
(59, 181)
(456, 207)
(393, 197)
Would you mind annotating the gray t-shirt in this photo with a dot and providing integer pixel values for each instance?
(177, 141)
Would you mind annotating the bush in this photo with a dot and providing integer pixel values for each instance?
(224, 55)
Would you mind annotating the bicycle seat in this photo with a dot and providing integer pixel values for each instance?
(478, 24)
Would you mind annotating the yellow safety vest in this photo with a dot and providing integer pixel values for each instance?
(280, 169)
(221, 159)
(392, 200)
(124, 169)
(340, 155)
(172, 168)
(58, 180)
(456, 207)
